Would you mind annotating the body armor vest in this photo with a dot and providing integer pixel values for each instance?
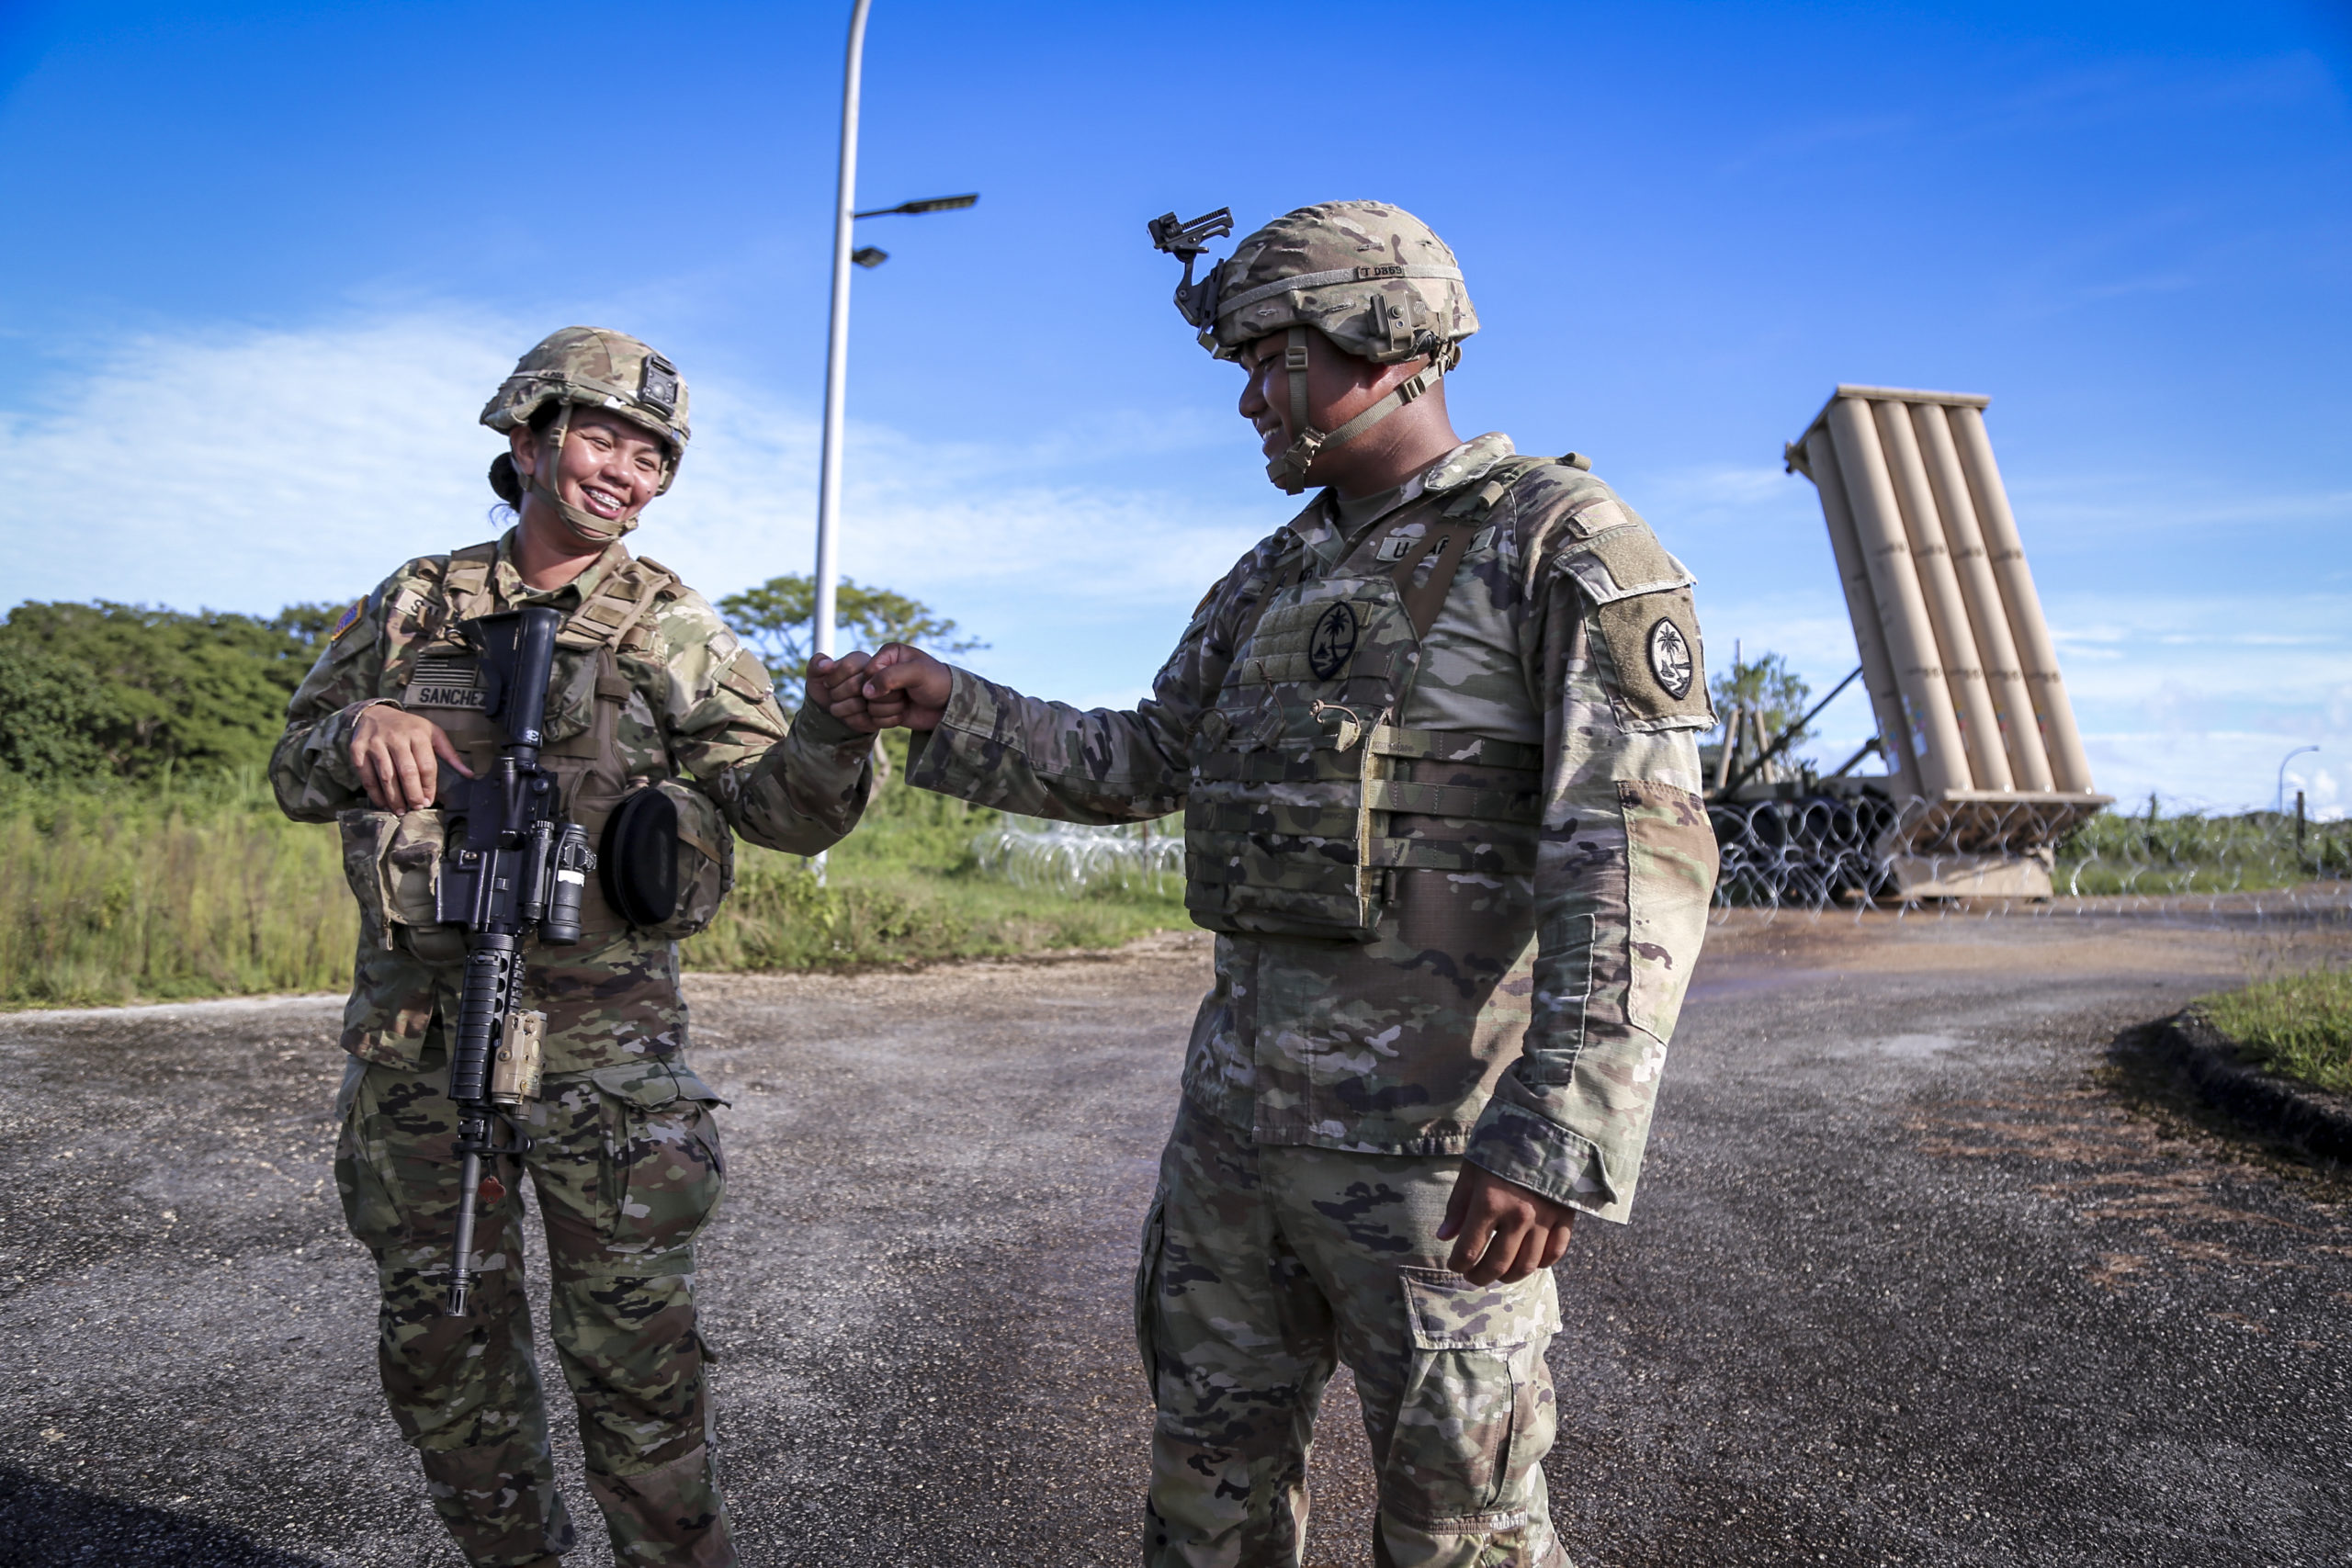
(1308, 800)
(584, 701)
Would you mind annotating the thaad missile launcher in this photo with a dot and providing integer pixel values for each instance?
(1985, 769)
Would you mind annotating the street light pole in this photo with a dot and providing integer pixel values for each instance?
(828, 470)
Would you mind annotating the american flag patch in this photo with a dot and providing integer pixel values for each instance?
(443, 683)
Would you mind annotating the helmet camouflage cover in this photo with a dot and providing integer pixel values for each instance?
(594, 368)
(1372, 278)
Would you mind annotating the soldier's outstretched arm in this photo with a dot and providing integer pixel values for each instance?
(993, 746)
(1625, 866)
(798, 787)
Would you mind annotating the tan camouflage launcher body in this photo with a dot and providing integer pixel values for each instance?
(1960, 667)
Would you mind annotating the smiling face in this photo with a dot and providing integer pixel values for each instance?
(1265, 396)
(610, 469)
(1341, 386)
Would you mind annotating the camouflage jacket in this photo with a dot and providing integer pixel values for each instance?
(1524, 1022)
(699, 706)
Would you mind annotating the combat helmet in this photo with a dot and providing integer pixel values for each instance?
(1371, 278)
(591, 367)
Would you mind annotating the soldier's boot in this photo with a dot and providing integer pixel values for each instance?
(669, 1516)
(499, 1503)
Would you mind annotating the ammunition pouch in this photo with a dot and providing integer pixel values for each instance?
(667, 860)
(1308, 842)
(393, 860)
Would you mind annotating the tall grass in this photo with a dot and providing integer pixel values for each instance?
(204, 889)
(180, 891)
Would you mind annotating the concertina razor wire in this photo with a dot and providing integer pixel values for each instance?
(1821, 855)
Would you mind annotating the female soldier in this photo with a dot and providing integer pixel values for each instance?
(650, 693)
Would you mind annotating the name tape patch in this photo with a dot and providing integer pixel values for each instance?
(445, 683)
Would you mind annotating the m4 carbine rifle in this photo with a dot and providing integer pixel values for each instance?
(513, 868)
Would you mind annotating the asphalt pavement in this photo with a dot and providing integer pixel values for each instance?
(1914, 1277)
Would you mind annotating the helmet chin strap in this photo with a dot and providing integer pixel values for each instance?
(603, 530)
(1289, 469)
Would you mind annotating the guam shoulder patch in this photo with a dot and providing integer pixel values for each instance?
(347, 620)
(1653, 639)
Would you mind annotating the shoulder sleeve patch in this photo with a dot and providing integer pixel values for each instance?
(347, 620)
(745, 676)
(1661, 676)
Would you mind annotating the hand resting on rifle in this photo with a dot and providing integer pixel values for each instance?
(393, 751)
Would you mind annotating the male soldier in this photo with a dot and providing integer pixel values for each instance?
(649, 692)
(1435, 741)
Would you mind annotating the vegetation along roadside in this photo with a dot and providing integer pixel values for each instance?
(2297, 1026)
(141, 857)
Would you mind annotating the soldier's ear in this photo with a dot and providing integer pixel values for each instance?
(525, 443)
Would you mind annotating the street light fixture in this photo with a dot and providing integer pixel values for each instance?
(928, 204)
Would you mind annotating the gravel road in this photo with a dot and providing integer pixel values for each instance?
(1909, 1283)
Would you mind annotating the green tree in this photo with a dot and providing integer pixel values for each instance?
(776, 619)
(151, 689)
(47, 720)
(1767, 684)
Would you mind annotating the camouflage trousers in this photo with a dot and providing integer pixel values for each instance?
(1264, 1266)
(626, 1162)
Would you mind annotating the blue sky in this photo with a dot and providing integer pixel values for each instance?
(267, 261)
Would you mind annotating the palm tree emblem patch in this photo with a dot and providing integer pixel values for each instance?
(1670, 659)
(1333, 642)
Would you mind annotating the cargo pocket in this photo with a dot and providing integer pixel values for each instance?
(1670, 863)
(1155, 1234)
(385, 1171)
(1476, 1417)
(661, 1166)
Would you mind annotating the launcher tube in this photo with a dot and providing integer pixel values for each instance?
(1894, 588)
(2070, 768)
(1946, 612)
(1861, 608)
(1988, 617)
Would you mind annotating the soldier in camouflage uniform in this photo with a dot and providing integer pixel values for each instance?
(650, 691)
(1435, 741)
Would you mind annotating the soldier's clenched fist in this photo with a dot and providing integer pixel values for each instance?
(905, 686)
